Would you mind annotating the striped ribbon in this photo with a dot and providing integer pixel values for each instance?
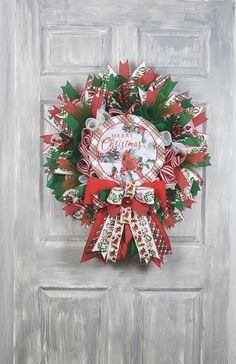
(173, 158)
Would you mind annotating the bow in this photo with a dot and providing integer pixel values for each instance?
(126, 213)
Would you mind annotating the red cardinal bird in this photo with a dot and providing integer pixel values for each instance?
(130, 164)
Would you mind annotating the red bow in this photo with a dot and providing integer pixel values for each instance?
(93, 187)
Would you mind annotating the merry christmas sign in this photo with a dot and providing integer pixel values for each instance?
(127, 148)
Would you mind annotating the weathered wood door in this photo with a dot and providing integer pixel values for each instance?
(67, 312)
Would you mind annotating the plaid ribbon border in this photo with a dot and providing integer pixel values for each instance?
(135, 120)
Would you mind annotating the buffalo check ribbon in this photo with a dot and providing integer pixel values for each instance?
(126, 213)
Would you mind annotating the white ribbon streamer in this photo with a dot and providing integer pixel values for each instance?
(167, 139)
(166, 136)
(101, 116)
(83, 179)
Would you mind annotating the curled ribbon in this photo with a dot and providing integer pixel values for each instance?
(86, 137)
(126, 213)
(92, 123)
(174, 157)
(84, 165)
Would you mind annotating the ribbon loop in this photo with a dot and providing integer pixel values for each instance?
(142, 194)
(129, 190)
(145, 195)
(115, 196)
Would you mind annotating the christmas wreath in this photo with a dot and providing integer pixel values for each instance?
(124, 158)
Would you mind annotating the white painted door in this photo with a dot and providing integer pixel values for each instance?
(67, 312)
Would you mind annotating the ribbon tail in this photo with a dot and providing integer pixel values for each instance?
(102, 244)
(96, 104)
(125, 242)
(109, 241)
(162, 241)
(143, 238)
(181, 179)
(124, 69)
(88, 253)
(115, 240)
(168, 217)
(157, 262)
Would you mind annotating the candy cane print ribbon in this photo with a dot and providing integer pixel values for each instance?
(124, 210)
(170, 172)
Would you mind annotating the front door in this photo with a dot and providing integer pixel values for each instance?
(124, 313)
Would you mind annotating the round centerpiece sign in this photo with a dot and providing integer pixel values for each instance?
(127, 148)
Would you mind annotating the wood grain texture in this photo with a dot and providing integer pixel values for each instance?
(62, 48)
(7, 177)
(179, 51)
(62, 305)
(119, 325)
(71, 325)
(217, 209)
(232, 275)
(178, 333)
(27, 228)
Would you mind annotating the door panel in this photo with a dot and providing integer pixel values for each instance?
(67, 312)
(76, 322)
